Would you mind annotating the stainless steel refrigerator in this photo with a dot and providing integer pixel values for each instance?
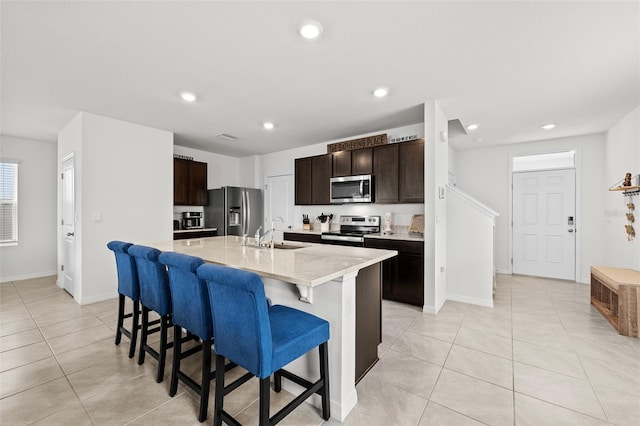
(234, 210)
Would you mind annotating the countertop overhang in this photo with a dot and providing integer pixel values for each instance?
(310, 266)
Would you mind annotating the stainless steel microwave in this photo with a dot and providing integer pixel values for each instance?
(352, 189)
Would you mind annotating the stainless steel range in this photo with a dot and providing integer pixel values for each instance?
(352, 230)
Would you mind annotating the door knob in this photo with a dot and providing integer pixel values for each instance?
(570, 230)
(70, 234)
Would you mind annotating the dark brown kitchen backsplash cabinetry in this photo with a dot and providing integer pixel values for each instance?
(411, 172)
(312, 175)
(189, 183)
(362, 161)
(385, 172)
(341, 163)
(398, 173)
(403, 275)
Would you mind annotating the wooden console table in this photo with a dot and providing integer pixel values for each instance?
(615, 293)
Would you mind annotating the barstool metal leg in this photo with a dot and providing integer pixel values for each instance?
(143, 334)
(265, 390)
(177, 351)
(134, 328)
(120, 319)
(206, 379)
(219, 400)
(324, 375)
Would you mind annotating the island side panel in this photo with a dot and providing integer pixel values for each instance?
(333, 301)
(368, 318)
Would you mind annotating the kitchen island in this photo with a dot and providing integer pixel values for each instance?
(319, 279)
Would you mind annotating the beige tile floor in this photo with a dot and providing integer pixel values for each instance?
(542, 356)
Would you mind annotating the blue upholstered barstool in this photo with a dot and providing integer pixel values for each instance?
(191, 311)
(262, 340)
(154, 296)
(127, 287)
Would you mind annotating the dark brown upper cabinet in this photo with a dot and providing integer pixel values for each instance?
(385, 171)
(362, 161)
(341, 163)
(189, 183)
(312, 176)
(411, 172)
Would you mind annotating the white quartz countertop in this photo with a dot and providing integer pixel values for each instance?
(311, 265)
(404, 236)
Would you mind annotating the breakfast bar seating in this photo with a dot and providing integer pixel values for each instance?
(262, 340)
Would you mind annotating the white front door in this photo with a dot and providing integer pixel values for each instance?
(279, 203)
(544, 230)
(68, 225)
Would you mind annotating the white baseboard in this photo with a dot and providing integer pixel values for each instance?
(503, 271)
(28, 276)
(429, 309)
(487, 303)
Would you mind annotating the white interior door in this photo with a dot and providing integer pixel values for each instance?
(68, 225)
(544, 230)
(279, 203)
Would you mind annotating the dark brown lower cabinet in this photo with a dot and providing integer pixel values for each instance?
(403, 275)
(193, 234)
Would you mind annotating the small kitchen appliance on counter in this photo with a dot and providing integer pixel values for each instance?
(352, 230)
(192, 220)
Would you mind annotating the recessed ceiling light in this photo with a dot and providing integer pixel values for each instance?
(310, 29)
(472, 126)
(188, 97)
(268, 125)
(549, 126)
(479, 140)
(381, 92)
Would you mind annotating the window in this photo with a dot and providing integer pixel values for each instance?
(555, 160)
(8, 202)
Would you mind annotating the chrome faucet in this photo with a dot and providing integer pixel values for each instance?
(259, 238)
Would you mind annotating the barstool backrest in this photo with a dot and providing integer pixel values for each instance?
(241, 325)
(189, 294)
(127, 271)
(153, 278)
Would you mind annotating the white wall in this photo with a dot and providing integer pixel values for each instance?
(436, 165)
(622, 155)
(35, 254)
(484, 173)
(125, 192)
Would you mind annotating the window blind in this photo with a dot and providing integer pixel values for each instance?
(8, 202)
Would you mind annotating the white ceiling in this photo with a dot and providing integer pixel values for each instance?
(509, 66)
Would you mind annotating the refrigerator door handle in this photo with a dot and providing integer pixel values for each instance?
(244, 215)
(248, 211)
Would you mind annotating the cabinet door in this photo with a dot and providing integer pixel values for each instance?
(362, 161)
(180, 182)
(341, 163)
(385, 170)
(409, 280)
(197, 183)
(411, 172)
(320, 179)
(303, 181)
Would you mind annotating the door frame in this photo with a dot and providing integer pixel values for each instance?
(578, 201)
(61, 248)
(267, 195)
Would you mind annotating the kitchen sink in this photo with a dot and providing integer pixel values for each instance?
(287, 246)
